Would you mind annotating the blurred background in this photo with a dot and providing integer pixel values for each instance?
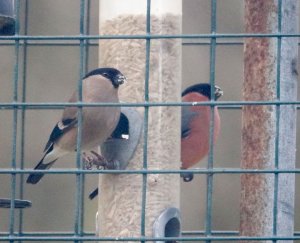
(52, 72)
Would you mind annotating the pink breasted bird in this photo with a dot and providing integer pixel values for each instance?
(99, 85)
(195, 124)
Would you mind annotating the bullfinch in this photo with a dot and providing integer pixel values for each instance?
(98, 123)
(195, 122)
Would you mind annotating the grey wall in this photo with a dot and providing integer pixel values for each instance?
(52, 73)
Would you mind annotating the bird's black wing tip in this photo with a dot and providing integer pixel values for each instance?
(93, 194)
(33, 179)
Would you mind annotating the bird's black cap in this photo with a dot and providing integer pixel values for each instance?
(113, 74)
(204, 89)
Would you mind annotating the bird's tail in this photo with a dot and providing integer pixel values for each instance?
(36, 177)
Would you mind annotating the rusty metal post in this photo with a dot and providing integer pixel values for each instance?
(260, 147)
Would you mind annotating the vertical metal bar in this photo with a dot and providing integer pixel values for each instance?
(15, 121)
(79, 165)
(146, 118)
(275, 209)
(23, 114)
(87, 32)
(85, 64)
(209, 178)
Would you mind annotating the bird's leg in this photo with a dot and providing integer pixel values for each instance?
(99, 162)
(104, 163)
(88, 161)
(94, 160)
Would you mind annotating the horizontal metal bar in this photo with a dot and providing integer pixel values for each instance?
(57, 105)
(96, 43)
(148, 36)
(57, 233)
(143, 171)
(34, 43)
(94, 238)
(48, 233)
(220, 232)
(213, 233)
(184, 233)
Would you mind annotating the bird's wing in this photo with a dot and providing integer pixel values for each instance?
(60, 128)
(186, 117)
(68, 121)
(122, 128)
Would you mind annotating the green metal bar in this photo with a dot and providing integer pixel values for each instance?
(146, 120)
(148, 36)
(87, 43)
(61, 105)
(23, 115)
(144, 171)
(93, 238)
(184, 233)
(84, 63)
(15, 125)
(79, 177)
(95, 43)
(275, 206)
(210, 163)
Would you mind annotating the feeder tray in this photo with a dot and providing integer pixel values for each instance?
(6, 203)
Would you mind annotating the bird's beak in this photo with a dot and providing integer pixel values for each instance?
(121, 79)
(218, 92)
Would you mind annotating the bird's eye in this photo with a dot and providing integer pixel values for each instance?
(105, 75)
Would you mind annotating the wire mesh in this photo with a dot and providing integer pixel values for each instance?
(84, 40)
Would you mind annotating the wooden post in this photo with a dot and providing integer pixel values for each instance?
(259, 122)
(120, 199)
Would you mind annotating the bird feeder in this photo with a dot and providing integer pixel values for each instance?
(121, 206)
(7, 21)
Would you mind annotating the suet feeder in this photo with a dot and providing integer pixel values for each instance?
(153, 71)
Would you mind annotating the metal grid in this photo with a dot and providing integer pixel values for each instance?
(84, 40)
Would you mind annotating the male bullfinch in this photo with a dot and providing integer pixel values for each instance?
(195, 125)
(98, 123)
(195, 122)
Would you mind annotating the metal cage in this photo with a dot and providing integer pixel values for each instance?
(19, 106)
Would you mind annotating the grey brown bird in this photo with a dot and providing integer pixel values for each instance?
(98, 123)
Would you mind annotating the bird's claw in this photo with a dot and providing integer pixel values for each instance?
(186, 176)
(98, 161)
(94, 160)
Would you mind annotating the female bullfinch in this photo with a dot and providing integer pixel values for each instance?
(99, 85)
